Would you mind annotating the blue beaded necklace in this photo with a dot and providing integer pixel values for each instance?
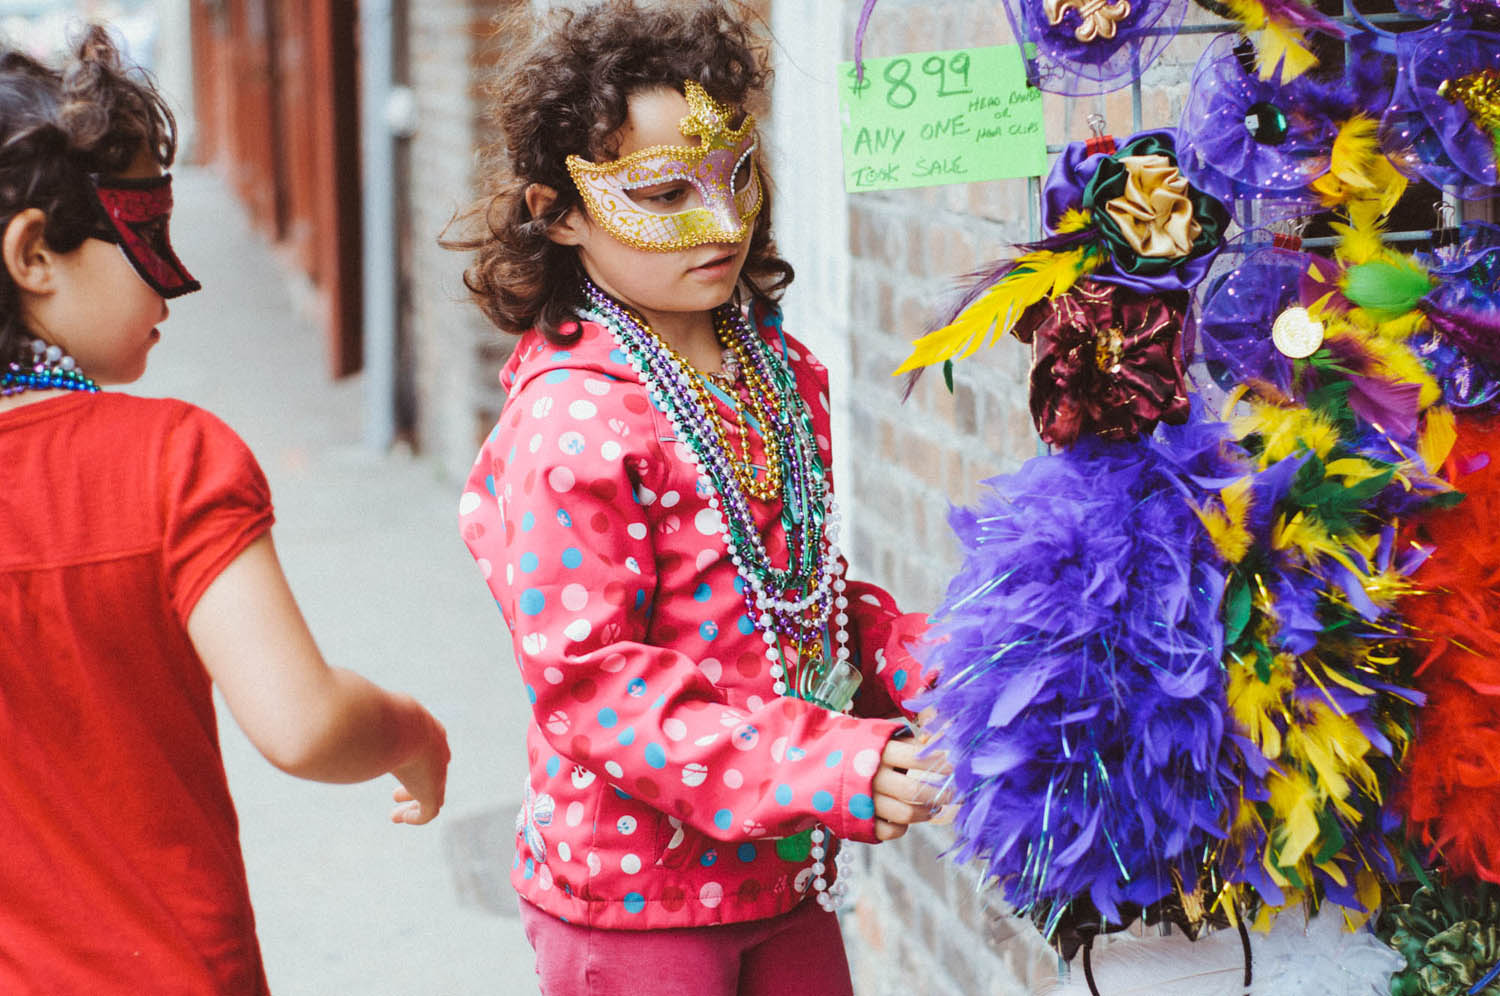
(43, 367)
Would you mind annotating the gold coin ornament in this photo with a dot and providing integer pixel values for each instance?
(1296, 333)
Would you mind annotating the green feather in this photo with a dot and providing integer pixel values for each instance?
(1387, 289)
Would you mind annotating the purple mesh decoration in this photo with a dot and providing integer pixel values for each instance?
(1226, 148)
(1461, 345)
(1238, 311)
(1433, 10)
(1428, 136)
(1064, 64)
(1426, 9)
(1216, 138)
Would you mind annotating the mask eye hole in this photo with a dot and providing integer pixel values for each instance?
(154, 233)
(743, 170)
(668, 197)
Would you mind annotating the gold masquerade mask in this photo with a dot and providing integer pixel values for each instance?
(720, 211)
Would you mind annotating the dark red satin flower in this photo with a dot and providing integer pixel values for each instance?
(1105, 361)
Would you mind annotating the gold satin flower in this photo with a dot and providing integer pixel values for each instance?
(1154, 213)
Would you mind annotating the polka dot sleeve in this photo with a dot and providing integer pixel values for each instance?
(564, 513)
(882, 638)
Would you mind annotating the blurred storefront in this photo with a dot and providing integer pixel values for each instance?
(277, 97)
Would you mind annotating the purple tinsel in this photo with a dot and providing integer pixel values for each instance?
(1082, 695)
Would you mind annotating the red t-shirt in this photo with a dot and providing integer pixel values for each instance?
(120, 864)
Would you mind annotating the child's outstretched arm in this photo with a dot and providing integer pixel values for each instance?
(310, 720)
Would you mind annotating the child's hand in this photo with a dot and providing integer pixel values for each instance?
(908, 788)
(423, 779)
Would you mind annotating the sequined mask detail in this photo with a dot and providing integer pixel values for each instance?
(136, 213)
(725, 211)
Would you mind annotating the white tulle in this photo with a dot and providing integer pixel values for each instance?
(1297, 957)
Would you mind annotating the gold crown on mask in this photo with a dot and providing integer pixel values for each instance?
(708, 119)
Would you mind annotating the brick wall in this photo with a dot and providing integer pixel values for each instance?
(920, 923)
(451, 352)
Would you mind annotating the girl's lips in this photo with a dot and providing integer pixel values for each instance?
(716, 265)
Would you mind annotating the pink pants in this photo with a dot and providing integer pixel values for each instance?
(796, 953)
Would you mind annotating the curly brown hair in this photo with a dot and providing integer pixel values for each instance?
(567, 94)
(58, 126)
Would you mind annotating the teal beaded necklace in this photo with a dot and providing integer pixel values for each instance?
(43, 367)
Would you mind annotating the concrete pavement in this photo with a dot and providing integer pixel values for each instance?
(346, 902)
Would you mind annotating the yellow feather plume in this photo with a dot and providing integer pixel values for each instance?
(1309, 537)
(1439, 433)
(1283, 46)
(1334, 748)
(1361, 238)
(1353, 470)
(1338, 677)
(1036, 276)
(1225, 521)
(1279, 45)
(1259, 707)
(1359, 171)
(1284, 431)
(1294, 800)
(1073, 220)
(1403, 328)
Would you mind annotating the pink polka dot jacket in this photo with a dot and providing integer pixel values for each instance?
(669, 785)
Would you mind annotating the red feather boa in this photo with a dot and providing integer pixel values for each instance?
(1450, 794)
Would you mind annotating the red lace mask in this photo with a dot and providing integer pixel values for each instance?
(136, 212)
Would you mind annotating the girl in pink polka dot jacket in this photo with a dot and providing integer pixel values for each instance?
(654, 516)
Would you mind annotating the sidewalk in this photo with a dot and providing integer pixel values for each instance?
(346, 902)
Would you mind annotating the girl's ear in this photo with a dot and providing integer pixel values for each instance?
(567, 232)
(27, 256)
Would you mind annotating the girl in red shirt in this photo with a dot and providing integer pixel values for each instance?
(137, 572)
(655, 518)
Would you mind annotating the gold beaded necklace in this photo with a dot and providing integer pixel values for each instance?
(763, 487)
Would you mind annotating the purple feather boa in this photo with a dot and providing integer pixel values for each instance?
(1081, 691)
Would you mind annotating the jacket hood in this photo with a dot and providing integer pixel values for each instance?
(595, 351)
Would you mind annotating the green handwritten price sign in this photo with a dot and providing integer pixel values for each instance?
(929, 118)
